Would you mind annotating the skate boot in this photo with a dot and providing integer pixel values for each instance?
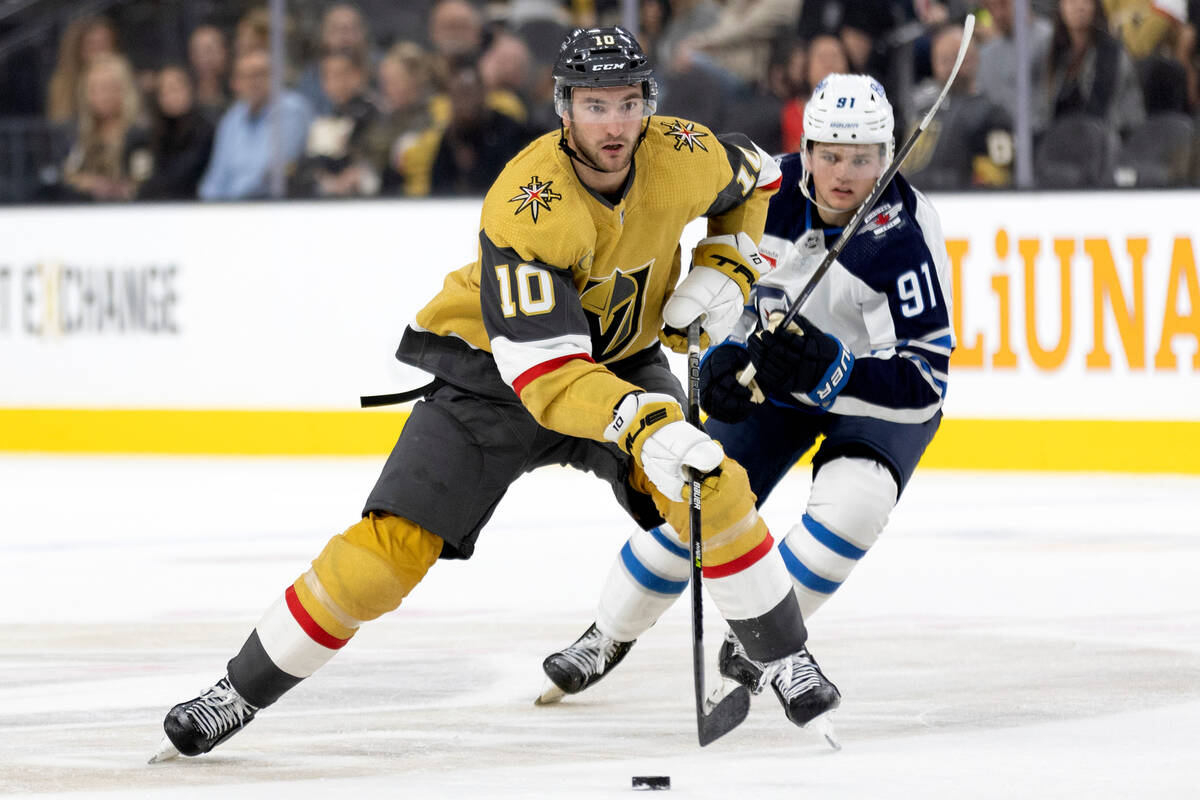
(577, 667)
(736, 665)
(199, 725)
(806, 694)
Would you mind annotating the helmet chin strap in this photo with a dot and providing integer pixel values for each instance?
(582, 158)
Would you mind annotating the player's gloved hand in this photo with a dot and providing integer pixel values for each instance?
(800, 359)
(720, 393)
(650, 427)
(714, 292)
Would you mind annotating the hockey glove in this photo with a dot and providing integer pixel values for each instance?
(714, 292)
(720, 393)
(650, 428)
(800, 359)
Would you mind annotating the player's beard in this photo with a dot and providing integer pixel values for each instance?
(597, 158)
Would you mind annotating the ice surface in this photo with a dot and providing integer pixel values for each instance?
(1011, 635)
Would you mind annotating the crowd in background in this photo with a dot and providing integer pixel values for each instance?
(432, 98)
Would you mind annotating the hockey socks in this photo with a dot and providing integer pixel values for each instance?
(649, 574)
(754, 594)
(289, 643)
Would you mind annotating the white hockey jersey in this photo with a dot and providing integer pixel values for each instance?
(887, 297)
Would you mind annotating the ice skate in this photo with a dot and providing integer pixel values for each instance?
(199, 725)
(806, 694)
(735, 665)
(573, 669)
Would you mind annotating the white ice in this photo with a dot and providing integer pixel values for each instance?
(1012, 635)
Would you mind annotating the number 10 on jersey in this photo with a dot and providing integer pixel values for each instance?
(534, 290)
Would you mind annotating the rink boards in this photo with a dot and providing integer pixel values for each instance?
(253, 328)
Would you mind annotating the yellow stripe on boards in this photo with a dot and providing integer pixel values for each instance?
(1055, 445)
(193, 432)
(1066, 445)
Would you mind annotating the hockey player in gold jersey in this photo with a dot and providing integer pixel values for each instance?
(546, 350)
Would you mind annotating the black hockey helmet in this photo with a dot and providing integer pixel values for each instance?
(602, 57)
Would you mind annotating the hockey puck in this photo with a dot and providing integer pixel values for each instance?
(651, 783)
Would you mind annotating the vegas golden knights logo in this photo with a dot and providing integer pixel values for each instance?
(535, 195)
(685, 135)
(614, 309)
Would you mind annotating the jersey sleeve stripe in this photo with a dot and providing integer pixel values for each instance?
(533, 373)
(936, 360)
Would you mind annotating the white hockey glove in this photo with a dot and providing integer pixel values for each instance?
(714, 292)
(650, 427)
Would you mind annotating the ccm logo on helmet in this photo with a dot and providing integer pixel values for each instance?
(602, 67)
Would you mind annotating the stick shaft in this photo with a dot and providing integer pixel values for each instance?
(694, 522)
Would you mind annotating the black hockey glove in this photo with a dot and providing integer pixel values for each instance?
(721, 396)
(800, 359)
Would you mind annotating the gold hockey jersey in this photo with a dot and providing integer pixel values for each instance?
(567, 281)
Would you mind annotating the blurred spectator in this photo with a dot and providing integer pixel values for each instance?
(181, 139)
(862, 25)
(343, 30)
(788, 83)
(505, 70)
(455, 33)
(466, 155)
(653, 16)
(242, 151)
(208, 56)
(1189, 55)
(1146, 27)
(1090, 72)
(253, 32)
(825, 56)
(687, 18)
(969, 142)
(739, 42)
(404, 87)
(334, 163)
(456, 30)
(108, 156)
(998, 60)
(84, 41)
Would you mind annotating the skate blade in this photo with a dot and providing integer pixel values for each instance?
(166, 751)
(822, 726)
(550, 695)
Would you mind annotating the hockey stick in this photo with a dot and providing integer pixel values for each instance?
(711, 723)
(746, 376)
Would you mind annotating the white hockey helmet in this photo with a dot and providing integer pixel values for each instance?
(849, 109)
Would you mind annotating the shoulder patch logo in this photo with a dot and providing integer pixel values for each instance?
(684, 135)
(535, 195)
(882, 220)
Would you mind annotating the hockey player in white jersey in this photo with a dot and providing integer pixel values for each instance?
(865, 365)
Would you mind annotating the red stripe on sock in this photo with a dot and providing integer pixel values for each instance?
(742, 562)
(309, 625)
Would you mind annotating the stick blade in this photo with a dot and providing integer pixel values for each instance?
(726, 715)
